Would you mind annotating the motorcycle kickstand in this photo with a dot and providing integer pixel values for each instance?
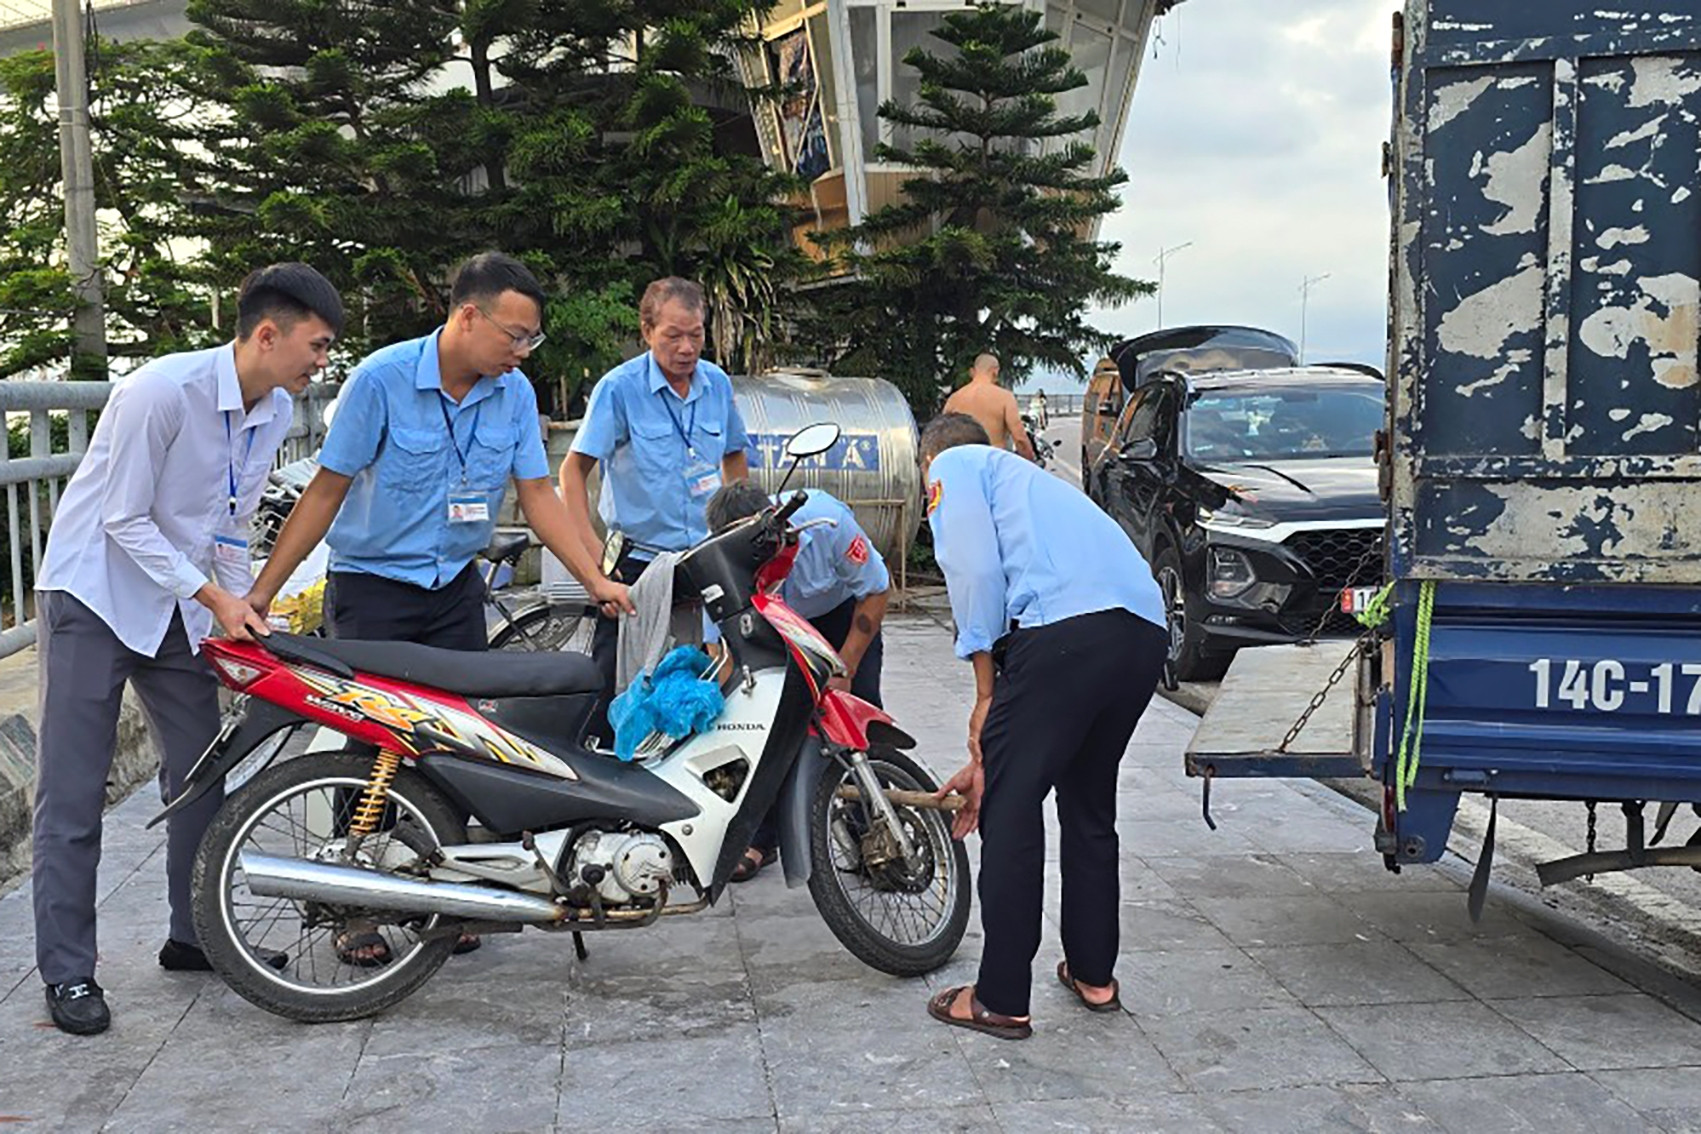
(527, 841)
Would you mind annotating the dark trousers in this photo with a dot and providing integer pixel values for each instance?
(82, 669)
(1064, 705)
(371, 608)
(835, 626)
(375, 609)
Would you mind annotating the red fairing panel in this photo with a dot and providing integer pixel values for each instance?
(845, 719)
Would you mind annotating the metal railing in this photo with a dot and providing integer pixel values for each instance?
(33, 483)
(1056, 405)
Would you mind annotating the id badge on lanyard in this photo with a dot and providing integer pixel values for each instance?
(230, 541)
(468, 507)
(701, 479)
(230, 548)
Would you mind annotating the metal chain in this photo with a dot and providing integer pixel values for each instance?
(1374, 551)
(1318, 698)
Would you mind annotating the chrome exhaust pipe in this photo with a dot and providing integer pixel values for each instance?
(302, 880)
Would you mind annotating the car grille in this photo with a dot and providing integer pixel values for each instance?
(1340, 559)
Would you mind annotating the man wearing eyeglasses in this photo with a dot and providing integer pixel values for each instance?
(427, 434)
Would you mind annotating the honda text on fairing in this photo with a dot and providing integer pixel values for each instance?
(325, 845)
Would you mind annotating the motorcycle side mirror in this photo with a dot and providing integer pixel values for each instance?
(810, 441)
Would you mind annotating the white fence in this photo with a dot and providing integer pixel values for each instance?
(33, 482)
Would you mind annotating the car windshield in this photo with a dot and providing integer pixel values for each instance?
(1275, 423)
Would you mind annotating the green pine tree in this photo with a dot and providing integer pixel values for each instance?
(990, 248)
(155, 299)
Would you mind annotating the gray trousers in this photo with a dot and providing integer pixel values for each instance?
(82, 668)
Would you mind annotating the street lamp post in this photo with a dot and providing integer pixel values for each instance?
(1304, 303)
(77, 169)
(1159, 260)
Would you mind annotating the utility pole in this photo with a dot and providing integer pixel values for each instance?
(1159, 260)
(76, 161)
(1304, 302)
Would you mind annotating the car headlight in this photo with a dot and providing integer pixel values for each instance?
(1228, 572)
(1219, 519)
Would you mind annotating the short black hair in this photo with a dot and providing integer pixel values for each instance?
(489, 274)
(286, 294)
(733, 502)
(949, 430)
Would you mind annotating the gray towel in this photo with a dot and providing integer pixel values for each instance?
(657, 627)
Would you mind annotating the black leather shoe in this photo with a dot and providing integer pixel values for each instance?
(78, 1007)
(177, 957)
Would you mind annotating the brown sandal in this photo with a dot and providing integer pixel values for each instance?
(749, 867)
(1114, 1004)
(993, 1024)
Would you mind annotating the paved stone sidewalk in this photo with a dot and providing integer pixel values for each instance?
(1275, 978)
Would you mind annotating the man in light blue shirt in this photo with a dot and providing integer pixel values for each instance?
(1064, 625)
(427, 435)
(839, 582)
(667, 433)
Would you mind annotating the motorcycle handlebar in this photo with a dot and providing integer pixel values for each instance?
(787, 509)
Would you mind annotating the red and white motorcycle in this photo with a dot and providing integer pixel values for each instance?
(328, 845)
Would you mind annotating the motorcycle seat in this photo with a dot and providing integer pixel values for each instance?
(473, 674)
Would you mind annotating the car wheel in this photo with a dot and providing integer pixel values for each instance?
(1187, 655)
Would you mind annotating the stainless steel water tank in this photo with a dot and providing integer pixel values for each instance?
(875, 468)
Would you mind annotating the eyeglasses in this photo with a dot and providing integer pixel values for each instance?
(521, 340)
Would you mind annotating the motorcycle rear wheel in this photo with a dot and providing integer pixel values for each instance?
(300, 809)
(905, 919)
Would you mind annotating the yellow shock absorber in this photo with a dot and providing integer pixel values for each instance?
(370, 809)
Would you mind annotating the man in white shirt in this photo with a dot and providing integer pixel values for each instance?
(148, 548)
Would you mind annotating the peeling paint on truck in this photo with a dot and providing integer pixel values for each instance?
(1546, 351)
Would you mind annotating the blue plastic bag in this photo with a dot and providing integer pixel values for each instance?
(672, 699)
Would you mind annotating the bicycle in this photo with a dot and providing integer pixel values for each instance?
(565, 619)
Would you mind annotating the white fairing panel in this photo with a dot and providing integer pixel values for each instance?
(742, 728)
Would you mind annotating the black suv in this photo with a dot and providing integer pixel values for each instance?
(1252, 493)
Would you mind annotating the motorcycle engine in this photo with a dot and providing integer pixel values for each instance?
(621, 865)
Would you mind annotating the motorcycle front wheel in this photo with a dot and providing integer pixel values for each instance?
(302, 809)
(902, 916)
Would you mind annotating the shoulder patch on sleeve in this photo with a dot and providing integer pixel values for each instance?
(857, 552)
(935, 493)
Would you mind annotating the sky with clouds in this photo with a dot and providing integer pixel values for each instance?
(1256, 133)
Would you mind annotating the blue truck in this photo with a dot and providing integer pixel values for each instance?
(1541, 635)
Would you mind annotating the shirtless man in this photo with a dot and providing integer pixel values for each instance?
(993, 406)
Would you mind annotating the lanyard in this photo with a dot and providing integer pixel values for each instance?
(230, 459)
(683, 431)
(450, 426)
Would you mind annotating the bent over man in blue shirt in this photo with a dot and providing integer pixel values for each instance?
(839, 583)
(668, 434)
(1065, 627)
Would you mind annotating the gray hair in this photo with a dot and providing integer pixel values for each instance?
(949, 430)
(668, 290)
(734, 502)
